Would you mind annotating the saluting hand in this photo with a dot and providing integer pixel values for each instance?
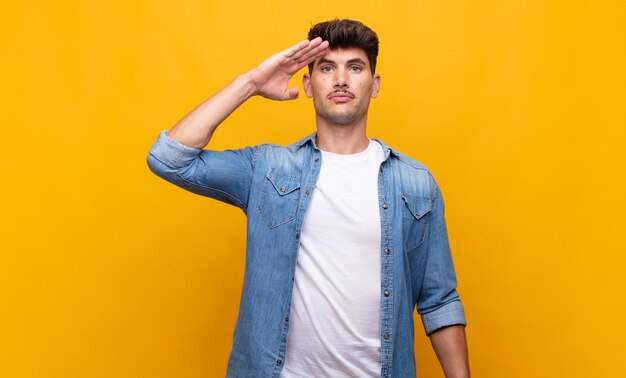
(271, 77)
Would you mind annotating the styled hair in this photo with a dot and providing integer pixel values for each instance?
(347, 33)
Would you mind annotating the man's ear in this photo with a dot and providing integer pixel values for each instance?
(375, 85)
(306, 83)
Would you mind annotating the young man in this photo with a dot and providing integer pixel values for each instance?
(345, 235)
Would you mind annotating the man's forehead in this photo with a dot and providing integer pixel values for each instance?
(344, 54)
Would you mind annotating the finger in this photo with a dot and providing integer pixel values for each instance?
(312, 58)
(313, 54)
(314, 43)
(291, 94)
(291, 51)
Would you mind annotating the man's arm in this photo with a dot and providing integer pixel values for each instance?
(438, 302)
(450, 347)
(178, 155)
(270, 79)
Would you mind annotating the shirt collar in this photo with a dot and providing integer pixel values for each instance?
(311, 138)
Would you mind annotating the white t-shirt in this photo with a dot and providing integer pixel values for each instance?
(334, 325)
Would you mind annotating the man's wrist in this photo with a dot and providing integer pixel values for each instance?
(249, 88)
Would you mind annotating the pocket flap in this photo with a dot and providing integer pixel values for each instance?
(418, 206)
(284, 184)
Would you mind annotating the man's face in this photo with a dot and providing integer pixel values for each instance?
(341, 84)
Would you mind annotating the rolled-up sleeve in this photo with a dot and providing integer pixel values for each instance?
(223, 175)
(438, 302)
(449, 314)
(171, 152)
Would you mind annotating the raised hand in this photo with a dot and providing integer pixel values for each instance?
(271, 77)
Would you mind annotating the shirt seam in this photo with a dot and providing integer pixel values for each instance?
(230, 196)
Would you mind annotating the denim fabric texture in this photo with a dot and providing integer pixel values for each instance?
(273, 186)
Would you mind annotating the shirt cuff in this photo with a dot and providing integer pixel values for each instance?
(173, 153)
(449, 314)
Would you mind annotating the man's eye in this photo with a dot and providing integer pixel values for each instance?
(356, 68)
(325, 69)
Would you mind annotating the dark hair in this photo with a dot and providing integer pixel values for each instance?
(347, 33)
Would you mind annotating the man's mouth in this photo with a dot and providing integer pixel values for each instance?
(341, 96)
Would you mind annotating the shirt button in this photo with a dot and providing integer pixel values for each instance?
(385, 206)
(381, 169)
(317, 159)
(282, 189)
(417, 213)
(286, 319)
(307, 193)
(279, 362)
(297, 235)
(386, 293)
(387, 251)
(386, 336)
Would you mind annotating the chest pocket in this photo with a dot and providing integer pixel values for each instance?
(279, 199)
(415, 220)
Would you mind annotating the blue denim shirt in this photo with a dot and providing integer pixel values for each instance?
(273, 186)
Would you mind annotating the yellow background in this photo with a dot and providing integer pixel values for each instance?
(518, 108)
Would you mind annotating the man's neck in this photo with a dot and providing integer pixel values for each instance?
(342, 139)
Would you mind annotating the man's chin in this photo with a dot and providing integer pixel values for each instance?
(345, 119)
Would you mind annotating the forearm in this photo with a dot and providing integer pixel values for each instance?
(450, 346)
(196, 128)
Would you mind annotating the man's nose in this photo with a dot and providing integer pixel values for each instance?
(341, 80)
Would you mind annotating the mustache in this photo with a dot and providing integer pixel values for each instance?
(340, 92)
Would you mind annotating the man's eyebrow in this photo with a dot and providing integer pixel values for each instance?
(356, 60)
